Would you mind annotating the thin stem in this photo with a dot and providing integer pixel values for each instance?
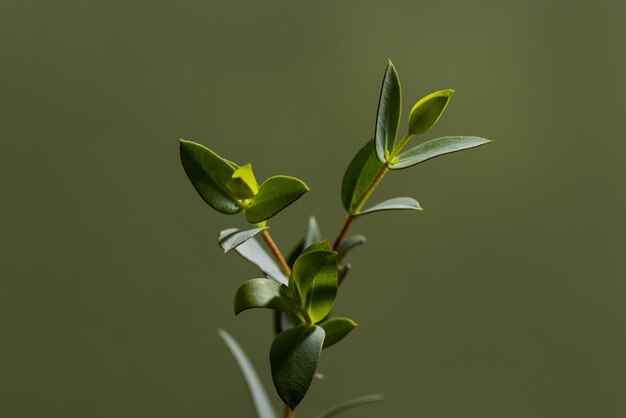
(288, 413)
(276, 252)
(399, 147)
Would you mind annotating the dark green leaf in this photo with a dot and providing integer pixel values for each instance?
(351, 404)
(275, 194)
(434, 148)
(389, 111)
(209, 173)
(262, 293)
(232, 238)
(252, 251)
(359, 174)
(295, 253)
(242, 184)
(285, 320)
(313, 233)
(293, 359)
(318, 246)
(348, 244)
(310, 265)
(427, 111)
(336, 329)
(262, 405)
(398, 203)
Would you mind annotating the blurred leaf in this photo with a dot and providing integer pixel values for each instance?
(389, 111)
(295, 253)
(434, 148)
(262, 406)
(343, 271)
(285, 320)
(313, 233)
(329, 413)
(359, 174)
(275, 194)
(262, 293)
(209, 174)
(336, 329)
(348, 244)
(242, 184)
(252, 251)
(293, 359)
(398, 203)
(427, 111)
(231, 238)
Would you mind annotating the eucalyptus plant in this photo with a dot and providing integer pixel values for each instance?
(301, 288)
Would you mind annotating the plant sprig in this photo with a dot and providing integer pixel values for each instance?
(301, 288)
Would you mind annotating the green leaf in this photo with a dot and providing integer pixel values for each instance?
(389, 110)
(262, 405)
(359, 174)
(263, 293)
(348, 244)
(398, 203)
(343, 271)
(209, 173)
(427, 111)
(434, 148)
(318, 246)
(295, 253)
(252, 251)
(275, 194)
(336, 329)
(293, 360)
(310, 265)
(232, 238)
(313, 233)
(242, 184)
(329, 413)
(285, 320)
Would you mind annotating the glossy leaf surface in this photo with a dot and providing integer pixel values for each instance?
(336, 329)
(363, 400)
(389, 111)
(428, 110)
(232, 238)
(242, 184)
(262, 405)
(262, 293)
(293, 360)
(434, 148)
(359, 174)
(209, 173)
(311, 266)
(252, 251)
(275, 194)
(398, 203)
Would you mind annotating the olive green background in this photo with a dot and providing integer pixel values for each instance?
(504, 298)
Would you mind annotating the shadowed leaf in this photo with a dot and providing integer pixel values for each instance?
(262, 293)
(275, 194)
(231, 238)
(359, 174)
(389, 110)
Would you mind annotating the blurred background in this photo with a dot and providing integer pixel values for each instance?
(504, 298)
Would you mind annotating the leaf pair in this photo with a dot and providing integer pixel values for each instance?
(229, 189)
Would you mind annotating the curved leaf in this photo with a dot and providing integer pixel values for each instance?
(242, 184)
(285, 320)
(262, 293)
(398, 203)
(313, 233)
(359, 174)
(252, 251)
(434, 148)
(336, 329)
(232, 238)
(293, 360)
(209, 173)
(275, 194)
(343, 271)
(363, 400)
(348, 244)
(427, 111)
(262, 406)
(389, 110)
(310, 265)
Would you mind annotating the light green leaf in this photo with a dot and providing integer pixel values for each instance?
(275, 194)
(351, 404)
(309, 266)
(232, 238)
(389, 111)
(293, 360)
(262, 405)
(252, 251)
(336, 329)
(427, 111)
(313, 233)
(359, 174)
(209, 173)
(434, 148)
(398, 203)
(242, 184)
(263, 293)
(348, 244)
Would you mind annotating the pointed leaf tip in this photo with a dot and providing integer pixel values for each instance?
(428, 110)
(389, 111)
